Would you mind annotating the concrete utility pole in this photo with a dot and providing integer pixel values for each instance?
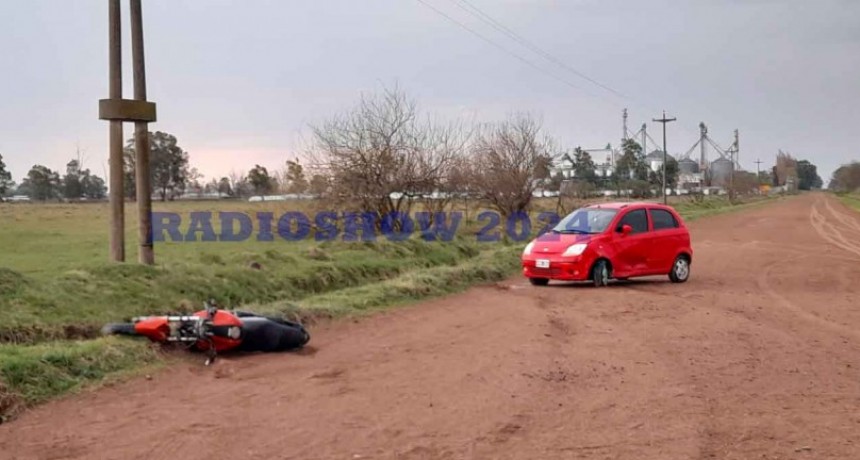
(118, 110)
(644, 136)
(146, 255)
(735, 154)
(664, 120)
(758, 174)
(117, 192)
(703, 157)
(737, 151)
(624, 126)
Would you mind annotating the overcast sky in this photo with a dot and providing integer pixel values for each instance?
(238, 82)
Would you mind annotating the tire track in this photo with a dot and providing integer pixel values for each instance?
(844, 218)
(830, 233)
(765, 285)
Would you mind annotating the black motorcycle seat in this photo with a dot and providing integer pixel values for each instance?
(265, 334)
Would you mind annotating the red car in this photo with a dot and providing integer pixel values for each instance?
(611, 240)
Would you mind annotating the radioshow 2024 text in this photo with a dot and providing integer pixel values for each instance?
(344, 225)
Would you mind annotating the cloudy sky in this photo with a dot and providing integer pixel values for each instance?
(239, 81)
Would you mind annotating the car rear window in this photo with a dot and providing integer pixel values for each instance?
(636, 219)
(663, 219)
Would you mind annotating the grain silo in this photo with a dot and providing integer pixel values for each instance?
(688, 166)
(721, 171)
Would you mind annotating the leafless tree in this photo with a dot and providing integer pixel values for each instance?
(239, 184)
(383, 154)
(509, 158)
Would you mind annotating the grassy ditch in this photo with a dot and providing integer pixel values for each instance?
(36, 373)
(75, 303)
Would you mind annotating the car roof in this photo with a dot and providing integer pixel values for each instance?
(628, 204)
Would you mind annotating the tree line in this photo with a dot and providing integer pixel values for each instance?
(43, 184)
(846, 178)
(385, 154)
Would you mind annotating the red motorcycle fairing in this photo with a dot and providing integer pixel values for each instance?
(157, 329)
(223, 321)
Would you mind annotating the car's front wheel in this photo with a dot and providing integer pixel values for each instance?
(680, 270)
(600, 273)
(539, 281)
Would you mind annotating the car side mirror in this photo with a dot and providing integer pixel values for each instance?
(626, 229)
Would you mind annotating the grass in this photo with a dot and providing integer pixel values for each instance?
(37, 373)
(57, 289)
(34, 310)
(488, 266)
(851, 200)
(691, 210)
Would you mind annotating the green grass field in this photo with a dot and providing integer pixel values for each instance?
(852, 200)
(57, 288)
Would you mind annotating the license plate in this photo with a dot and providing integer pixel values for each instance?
(542, 263)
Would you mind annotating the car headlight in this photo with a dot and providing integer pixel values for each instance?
(574, 249)
(528, 249)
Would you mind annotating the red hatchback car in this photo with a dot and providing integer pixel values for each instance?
(611, 240)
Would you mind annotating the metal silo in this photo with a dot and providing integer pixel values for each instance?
(688, 166)
(721, 171)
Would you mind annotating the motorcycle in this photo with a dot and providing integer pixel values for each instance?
(213, 330)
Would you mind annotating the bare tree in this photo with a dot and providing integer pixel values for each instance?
(382, 154)
(462, 182)
(509, 158)
(239, 185)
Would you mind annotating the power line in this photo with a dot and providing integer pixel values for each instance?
(502, 48)
(534, 48)
(470, 8)
(487, 19)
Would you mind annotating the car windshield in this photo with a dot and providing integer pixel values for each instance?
(586, 221)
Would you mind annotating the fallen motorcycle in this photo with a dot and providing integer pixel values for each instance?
(213, 330)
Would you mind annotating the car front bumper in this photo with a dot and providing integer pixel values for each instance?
(560, 268)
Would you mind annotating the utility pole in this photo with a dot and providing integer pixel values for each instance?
(624, 128)
(734, 157)
(737, 151)
(117, 192)
(613, 160)
(140, 111)
(664, 120)
(644, 136)
(146, 254)
(703, 156)
(758, 174)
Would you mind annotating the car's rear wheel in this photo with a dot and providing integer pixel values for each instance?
(539, 281)
(680, 269)
(600, 273)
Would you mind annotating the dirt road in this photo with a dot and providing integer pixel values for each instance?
(757, 356)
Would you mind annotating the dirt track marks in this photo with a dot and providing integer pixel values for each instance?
(833, 232)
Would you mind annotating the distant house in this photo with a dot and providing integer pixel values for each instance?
(564, 164)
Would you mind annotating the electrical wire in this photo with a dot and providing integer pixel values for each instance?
(502, 48)
(487, 19)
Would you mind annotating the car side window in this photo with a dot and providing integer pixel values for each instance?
(663, 219)
(637, 219)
